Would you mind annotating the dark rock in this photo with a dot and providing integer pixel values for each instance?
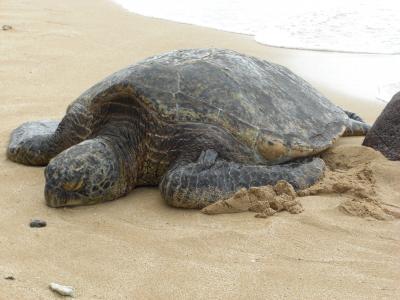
(37, 223)
(6, 27)
(9, 278)
(384, 135)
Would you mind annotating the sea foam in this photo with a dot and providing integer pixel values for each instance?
(362, 26)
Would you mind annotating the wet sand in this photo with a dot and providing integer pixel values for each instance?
(138, 247)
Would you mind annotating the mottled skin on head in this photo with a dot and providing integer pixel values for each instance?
(91, 161)
(201, 123)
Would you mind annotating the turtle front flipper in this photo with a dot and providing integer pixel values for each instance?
(32, 143)
(198, 184)
(35, 143)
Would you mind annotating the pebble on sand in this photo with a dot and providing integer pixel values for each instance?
(62, 289)
(6, 27)
(37, 223)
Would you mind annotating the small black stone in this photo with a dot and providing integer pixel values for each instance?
(9, 278)
(37, 223)
(6, 27)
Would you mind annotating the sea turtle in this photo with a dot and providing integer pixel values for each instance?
(200, 123)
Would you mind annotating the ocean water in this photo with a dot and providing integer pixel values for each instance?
(354, 26)
(362, 26)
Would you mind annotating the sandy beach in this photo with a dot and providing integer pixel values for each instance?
(139, 248)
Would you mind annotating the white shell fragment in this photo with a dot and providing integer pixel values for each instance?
(62, 289)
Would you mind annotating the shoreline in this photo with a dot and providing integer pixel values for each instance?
(137, 246)
(365, 63)
(253, 36)
(253, 29)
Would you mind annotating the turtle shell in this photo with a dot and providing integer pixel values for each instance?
(262, 104)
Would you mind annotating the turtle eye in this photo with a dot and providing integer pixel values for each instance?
(73, 185)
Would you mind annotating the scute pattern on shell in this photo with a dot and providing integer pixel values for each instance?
(262, 104)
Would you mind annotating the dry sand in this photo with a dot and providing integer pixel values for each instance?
(137, 247)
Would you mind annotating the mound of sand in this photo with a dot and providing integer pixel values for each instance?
(364, 177)
(360, 174)
(266, 200)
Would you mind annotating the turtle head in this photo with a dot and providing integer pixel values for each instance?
(84, 174)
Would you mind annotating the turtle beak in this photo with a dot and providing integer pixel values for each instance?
(54, 198)
(58, 193)
(60, 197)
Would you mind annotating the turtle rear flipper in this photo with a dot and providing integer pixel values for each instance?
(31, 143)
(198, 184)
(356, 128)
(354, 116)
